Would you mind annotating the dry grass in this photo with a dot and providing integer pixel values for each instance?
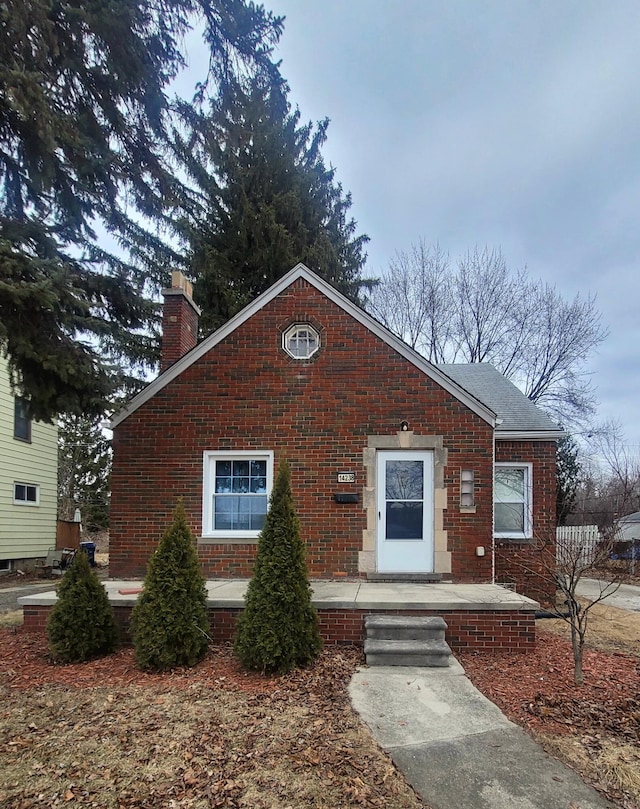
(610, 629)
(204, 738)
(11, 618)
(197, 748)
(601, 761)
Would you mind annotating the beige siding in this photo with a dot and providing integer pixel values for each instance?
(26, 531)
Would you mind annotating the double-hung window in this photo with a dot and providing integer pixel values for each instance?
(236, 493)
(512, 501)
(21, 420)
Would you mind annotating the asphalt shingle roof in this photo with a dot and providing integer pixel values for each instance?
(507, 401)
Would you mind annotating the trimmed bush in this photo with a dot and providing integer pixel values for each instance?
(278, 628)
(81, 625)
(169, 622)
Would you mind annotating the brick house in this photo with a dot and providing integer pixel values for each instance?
(400, 468)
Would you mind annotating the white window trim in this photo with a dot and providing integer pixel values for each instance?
(528, 502)
(294, 327)
(17, 502)
(208, 480)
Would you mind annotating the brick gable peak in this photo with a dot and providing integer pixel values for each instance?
(298, 276)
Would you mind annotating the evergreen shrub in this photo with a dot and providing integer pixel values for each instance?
(81, 625)
(169, 623)
(278, 629)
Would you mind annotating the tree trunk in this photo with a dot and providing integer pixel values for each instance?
(577, 642)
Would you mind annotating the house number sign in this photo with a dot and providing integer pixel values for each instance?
(346, 477)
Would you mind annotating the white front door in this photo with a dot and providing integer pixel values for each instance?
(405, 512)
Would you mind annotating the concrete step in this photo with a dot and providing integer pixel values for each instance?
(432, 653)
(417, 578)
(405, 627)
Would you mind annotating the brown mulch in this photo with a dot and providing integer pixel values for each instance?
(26, 664)
(594, 728)
(537, 691)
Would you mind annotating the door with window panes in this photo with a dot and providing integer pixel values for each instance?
(405, 512)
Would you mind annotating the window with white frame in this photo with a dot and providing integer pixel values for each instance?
(236, 493)
(26, 494)
(301, 341)
(512, 501)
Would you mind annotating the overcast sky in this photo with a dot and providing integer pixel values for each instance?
(512, 124)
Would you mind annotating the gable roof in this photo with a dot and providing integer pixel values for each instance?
(439, 374)
(518, 416)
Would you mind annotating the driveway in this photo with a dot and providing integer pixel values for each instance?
(625, 597)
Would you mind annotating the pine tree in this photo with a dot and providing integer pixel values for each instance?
(568, 475)
(278, 628)
(271, 202)
(84, 467)
(85, 132)
(169, 622)
(81, 624)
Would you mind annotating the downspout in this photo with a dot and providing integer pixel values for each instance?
(493, 479)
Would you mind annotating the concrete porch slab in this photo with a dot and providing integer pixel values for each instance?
(350, 595)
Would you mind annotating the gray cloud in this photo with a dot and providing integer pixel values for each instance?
(494, 123)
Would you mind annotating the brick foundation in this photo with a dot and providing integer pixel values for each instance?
(489, 631)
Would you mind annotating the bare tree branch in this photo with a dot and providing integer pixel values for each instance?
(481, 311)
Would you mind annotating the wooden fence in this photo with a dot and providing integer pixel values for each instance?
(577, 544)
(67, 534)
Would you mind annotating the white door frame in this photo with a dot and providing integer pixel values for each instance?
(411, 554)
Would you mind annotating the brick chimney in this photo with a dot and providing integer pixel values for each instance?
(179, 321)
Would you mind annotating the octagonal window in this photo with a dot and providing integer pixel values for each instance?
(301, 341)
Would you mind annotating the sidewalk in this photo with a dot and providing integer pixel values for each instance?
(623, 596)
(456, 748)
(9, 595)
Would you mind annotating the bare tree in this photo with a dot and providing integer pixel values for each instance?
(491, 319)
(481, 311)
(415, 300)
(561, 337)
(578, 558)
(609, 490)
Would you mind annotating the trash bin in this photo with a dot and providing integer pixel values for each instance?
(90, 549)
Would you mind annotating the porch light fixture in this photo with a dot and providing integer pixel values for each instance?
(404, 426)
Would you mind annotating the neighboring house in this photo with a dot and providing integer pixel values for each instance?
(393, 459)
(28, 481)
(628, 527)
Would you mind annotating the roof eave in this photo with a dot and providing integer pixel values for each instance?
(530, 435)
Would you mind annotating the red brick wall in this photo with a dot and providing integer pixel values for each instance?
(179, 327)
(248, 393)
(483, 631)
(530, 564)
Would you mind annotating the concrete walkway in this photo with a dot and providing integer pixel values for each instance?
(456, 748)
(453, 745)
(625, 597)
